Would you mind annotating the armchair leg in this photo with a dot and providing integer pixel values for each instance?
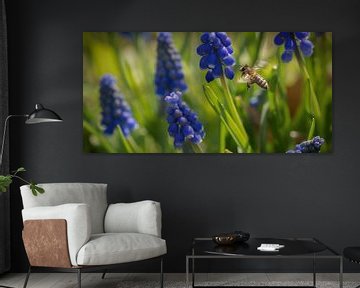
(103, 275)
(79, 277)
(161, 273)
(27, 277)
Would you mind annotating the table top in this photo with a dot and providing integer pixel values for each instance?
(293, 247)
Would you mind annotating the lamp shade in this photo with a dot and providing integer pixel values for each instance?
(42, 115)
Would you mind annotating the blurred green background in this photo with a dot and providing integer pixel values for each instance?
(275, 119)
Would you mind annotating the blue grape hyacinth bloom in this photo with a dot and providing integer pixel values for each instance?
(183, 122)
(115, 110)
(290, 40)
(310, 146)
(216, 55)
(169, 76)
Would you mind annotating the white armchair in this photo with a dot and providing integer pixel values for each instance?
(72, 228)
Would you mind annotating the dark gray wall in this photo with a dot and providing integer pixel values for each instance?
(273, 195)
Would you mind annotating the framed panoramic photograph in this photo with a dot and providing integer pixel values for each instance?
(207, 92)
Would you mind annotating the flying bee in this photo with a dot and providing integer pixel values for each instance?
(250, 75)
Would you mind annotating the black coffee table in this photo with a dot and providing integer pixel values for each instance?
(295, 248)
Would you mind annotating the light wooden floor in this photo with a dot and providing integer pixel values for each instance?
(113, 280)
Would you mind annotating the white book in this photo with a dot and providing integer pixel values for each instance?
(270, 247)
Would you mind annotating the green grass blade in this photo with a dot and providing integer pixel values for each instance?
(197, 148)
(239, 137)
(311, 130)
(263, 127)
(231, 105)
(311, 102)
(134, 146)
(256, 53)
(216, 108)
(99, 136)
(229, 102)
(124, 141)
(222, 137)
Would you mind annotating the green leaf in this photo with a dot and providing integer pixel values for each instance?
(125, 141)
(134, 145)
(232, 109)
(311, 130)
(39, 189)
(222, 137)
(239, 137)
(259, 40)
(99, 135)
(263, 127)
(5, 182)
(197, 148)
(311, 102)
(33, 190)
(36, 189)
(20, 169)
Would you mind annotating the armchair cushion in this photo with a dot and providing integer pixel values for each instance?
(113, 248)
(92, 194)
(138, 217)
(78, 221)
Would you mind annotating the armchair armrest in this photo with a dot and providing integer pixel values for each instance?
(78, 225)
(138, 217)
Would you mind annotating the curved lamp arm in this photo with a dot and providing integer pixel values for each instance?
(4, 134)
(39, 115)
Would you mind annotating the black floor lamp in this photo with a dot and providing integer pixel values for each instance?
(39, 115)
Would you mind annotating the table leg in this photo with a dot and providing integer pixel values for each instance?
(193, 267)
(341, 273)
(187, 272)
(314, 271)
(193, 272)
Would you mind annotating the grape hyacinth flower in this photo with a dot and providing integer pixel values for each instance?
(115, 109)
(310, 146)
(290, 41)
(216, 55)
(183, 122)
(169, 76)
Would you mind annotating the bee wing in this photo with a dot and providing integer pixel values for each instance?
(243, 79)
(237, 67)
(260, 64)
(238, 73)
